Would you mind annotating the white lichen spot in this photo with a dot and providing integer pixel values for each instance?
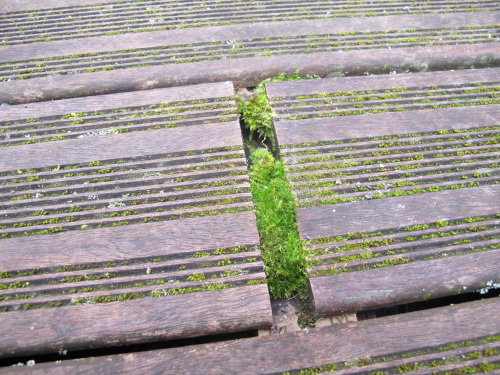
(489, 286)
(116, 204)
(99, 133)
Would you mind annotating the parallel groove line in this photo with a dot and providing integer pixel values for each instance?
(159, 18)
(77, 198)
(156, 278)
(399, 99)
(419, 242)
(235, 49)
(122, 120)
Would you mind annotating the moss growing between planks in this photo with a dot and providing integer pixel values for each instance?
(282, 250)
(256, 112)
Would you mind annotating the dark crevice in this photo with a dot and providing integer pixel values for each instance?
(424, 305)
(100, 352)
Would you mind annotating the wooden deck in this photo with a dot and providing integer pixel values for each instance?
(105, 48)
(127, 208)
(434, 341)
(126, 216)
(396, 183)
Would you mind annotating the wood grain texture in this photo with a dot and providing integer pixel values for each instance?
(121, 243)
(382, 124)
(250, 71)
(397, 212)
(386, 82)
(305, 349)
(137, 321)
(237, 32)
(20, 5)
(118, 146)
(121, 100)
(405, 283)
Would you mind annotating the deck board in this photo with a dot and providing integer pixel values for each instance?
(366, 346)
(239, 51)
(396, 184)
(102, 231)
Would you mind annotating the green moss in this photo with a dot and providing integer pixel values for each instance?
(196, 277)
(256, 112)
(282, 250)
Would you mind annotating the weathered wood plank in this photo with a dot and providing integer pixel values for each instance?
(122, 243)
(424, 332)
(385, 82)
(161, 38)
(114, 101)
(21, 5)
(374, 215)
(249, 72)
(138, 321)
(418, 281)
(383, 124)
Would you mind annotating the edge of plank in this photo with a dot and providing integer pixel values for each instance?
(296, 351)
(380, 124)
(413, 282)
(121, 243)
(250, 71)
(136, 321)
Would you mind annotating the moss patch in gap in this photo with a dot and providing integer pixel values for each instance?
(256, 112)
(282, 250)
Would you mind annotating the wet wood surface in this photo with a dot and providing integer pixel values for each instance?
(316, 347)
(138, 321)
(419, 281)
(249, 72)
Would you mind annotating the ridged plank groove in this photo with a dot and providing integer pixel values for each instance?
(182, 181)
(451, 338)
(109, 19)
(243, 48)
(396, 177)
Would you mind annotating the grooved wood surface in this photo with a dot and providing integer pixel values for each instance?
(119, 146)
(419, 281)
(408, 81)
(145, 320)
(380, 214)
(114, 101)
(161, 38)
(163, 239)
(380, 124)
(250, 71)
(111, 239)
(396, 177)
(424, 331)
(149, 56)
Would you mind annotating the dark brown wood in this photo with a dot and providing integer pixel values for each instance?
(25, 5)
(380, 124)
(296, 351)
(117, 146)
(419, 281)
(122, 243)
(427, 358)
(250, 71)
(385, 82)
(238, 32)
(113, 101)
(137, 321)
(392, 213)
